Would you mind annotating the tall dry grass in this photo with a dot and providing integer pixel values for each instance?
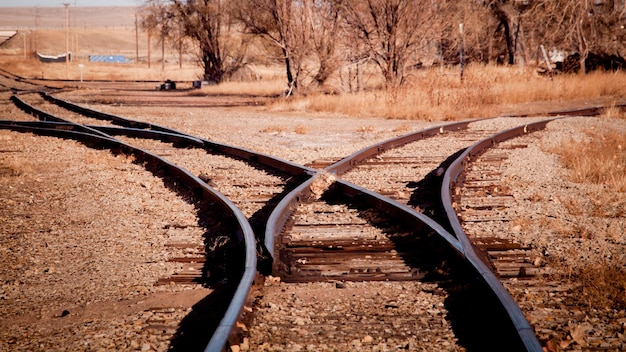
(601, 159)
(265, 88)
(32, 68)
(439, 94)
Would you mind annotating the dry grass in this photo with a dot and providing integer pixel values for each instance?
(614, 112)
(31, 68)
(599, 282)
(300, 129)
(602, 285)
(600, 159)
(264, 88)
(438, 94)
(273, 129)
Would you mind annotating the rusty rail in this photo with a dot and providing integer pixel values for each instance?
(344, 165)
(453, 179)
(135, 127)
(143, 130)
(244, 233)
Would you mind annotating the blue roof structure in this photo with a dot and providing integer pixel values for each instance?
(109, 58)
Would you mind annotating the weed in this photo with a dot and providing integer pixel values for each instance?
(364, 129)
(602, 285)
(300, 129)
(273, 129)
(600, 159)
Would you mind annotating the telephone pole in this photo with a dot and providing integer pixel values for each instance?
(136, 40)
(67, 39)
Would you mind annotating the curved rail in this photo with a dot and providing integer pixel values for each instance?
(457, 240)
(453, 175)
(452, 179)
(151, 131)
(225, 149)
(411, 217)
(244, 232)
(283, 211)
(44, 116)
(349, 162)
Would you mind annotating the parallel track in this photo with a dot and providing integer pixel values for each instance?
(324, 244)
(158, 140)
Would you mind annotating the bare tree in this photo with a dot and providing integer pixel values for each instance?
(325, 28)
(393, 31)
(282, 23)
(205, 22)
(581, 26)
(222, 52)
(158, 18)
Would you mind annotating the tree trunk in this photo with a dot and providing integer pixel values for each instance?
(583, 49)
(504, 22)
(162, 51)
(293, 85)
(213, 70)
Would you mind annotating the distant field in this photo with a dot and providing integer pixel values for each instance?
(93, 31)
(486, 90)
(54, 17)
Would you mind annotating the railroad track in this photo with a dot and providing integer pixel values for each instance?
(215, 258)
(370, 268)
(13, 83)
(332, 242)
(337, 237)
(330, 235)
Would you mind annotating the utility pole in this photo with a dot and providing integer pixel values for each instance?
(162, 50)
(136, 40)
(149, 52)
(67, 39)
(36, 29)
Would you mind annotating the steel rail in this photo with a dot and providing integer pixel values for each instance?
(415, 220)
(23, 80)
(225, 149)
(453, 179)
(279, 217)
(344, 165)
(287, 205)
(457, 240)
(44, 116)
(281, 213)
(588, 111)
(244, 232)
(114, 119)
(453, 175)
(169, 135)
(285, 208)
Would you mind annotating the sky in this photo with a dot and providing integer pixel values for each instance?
(59, 3)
